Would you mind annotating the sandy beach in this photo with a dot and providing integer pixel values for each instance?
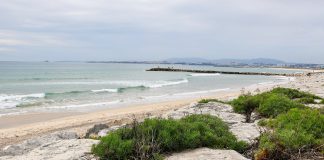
(17, 128)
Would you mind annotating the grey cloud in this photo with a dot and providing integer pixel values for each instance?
(291, 30)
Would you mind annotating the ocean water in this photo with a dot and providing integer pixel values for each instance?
(79, 86)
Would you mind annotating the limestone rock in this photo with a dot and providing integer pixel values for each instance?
(68, 149)
(207, 154)
(28, 145)
(95, 129)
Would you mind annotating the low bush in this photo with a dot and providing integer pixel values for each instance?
(294, 93)
(293, 134)
(246, 104)
(210, 100)
(272, 103)
(263, 122)
(322, 102)
(153, 137)
(276, 104)
(306, 100)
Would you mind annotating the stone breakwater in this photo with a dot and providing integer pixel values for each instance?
(222, 72)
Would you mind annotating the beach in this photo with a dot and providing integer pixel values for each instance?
(22, 127)
(63, 135)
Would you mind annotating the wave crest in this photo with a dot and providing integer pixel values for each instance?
(11, 101)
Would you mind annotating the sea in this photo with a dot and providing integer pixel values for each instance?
(84, 87)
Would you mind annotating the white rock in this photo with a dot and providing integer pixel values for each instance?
(28, 145)
(70, 149)
(207, 154)
(104, 132)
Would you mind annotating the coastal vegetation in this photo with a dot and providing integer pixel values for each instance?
(203, 101)
(275, 104)
(290, 130)
(306, 100)
(297, 134)
(246, 104)
(154, 137)
(272, 103)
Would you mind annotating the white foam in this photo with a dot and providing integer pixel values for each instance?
(12, 113)
(105, 90)
(11, 101)
(4, 97)
(128, 83)
(204, 74)
(266, 83)
(168, 83)
(86, 105)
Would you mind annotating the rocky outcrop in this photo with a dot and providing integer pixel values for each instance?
(28, 145)
(71, 149)
(93, 131)
(56, 146)
(105, 131)
(207, 154)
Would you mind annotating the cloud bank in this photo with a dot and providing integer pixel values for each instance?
(292, 30)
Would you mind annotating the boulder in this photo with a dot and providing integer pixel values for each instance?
(93, 131)
(67, 149)
(28, 145)
(207, 154)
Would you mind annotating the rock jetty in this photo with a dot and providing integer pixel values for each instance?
(222, 72)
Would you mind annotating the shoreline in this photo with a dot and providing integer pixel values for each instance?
(77, 125)
(43, 123)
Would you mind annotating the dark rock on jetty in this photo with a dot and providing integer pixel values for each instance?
(222, 72)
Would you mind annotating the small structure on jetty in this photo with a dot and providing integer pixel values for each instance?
(223, 72)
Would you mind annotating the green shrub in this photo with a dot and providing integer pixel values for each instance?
(153, 137)
(297, 131)
(272, 103)
(276, 104)
(263, 122)
(322, 102)
(210, 100)
(246, 104)
(294, 93)
(306, 100)
(118, 148)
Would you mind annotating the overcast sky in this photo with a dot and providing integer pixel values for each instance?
(33, 30)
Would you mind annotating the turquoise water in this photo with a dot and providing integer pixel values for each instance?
(61, 86)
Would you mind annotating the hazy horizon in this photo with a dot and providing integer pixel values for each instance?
(142, 30)
(161, 60)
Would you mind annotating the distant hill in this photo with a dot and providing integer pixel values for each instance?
(187, 60)
(257, 61)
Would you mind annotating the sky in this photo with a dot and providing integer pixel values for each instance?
(82, 30)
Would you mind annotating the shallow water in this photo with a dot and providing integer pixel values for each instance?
(61, 86)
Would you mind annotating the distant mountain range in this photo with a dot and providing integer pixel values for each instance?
(257, 61)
